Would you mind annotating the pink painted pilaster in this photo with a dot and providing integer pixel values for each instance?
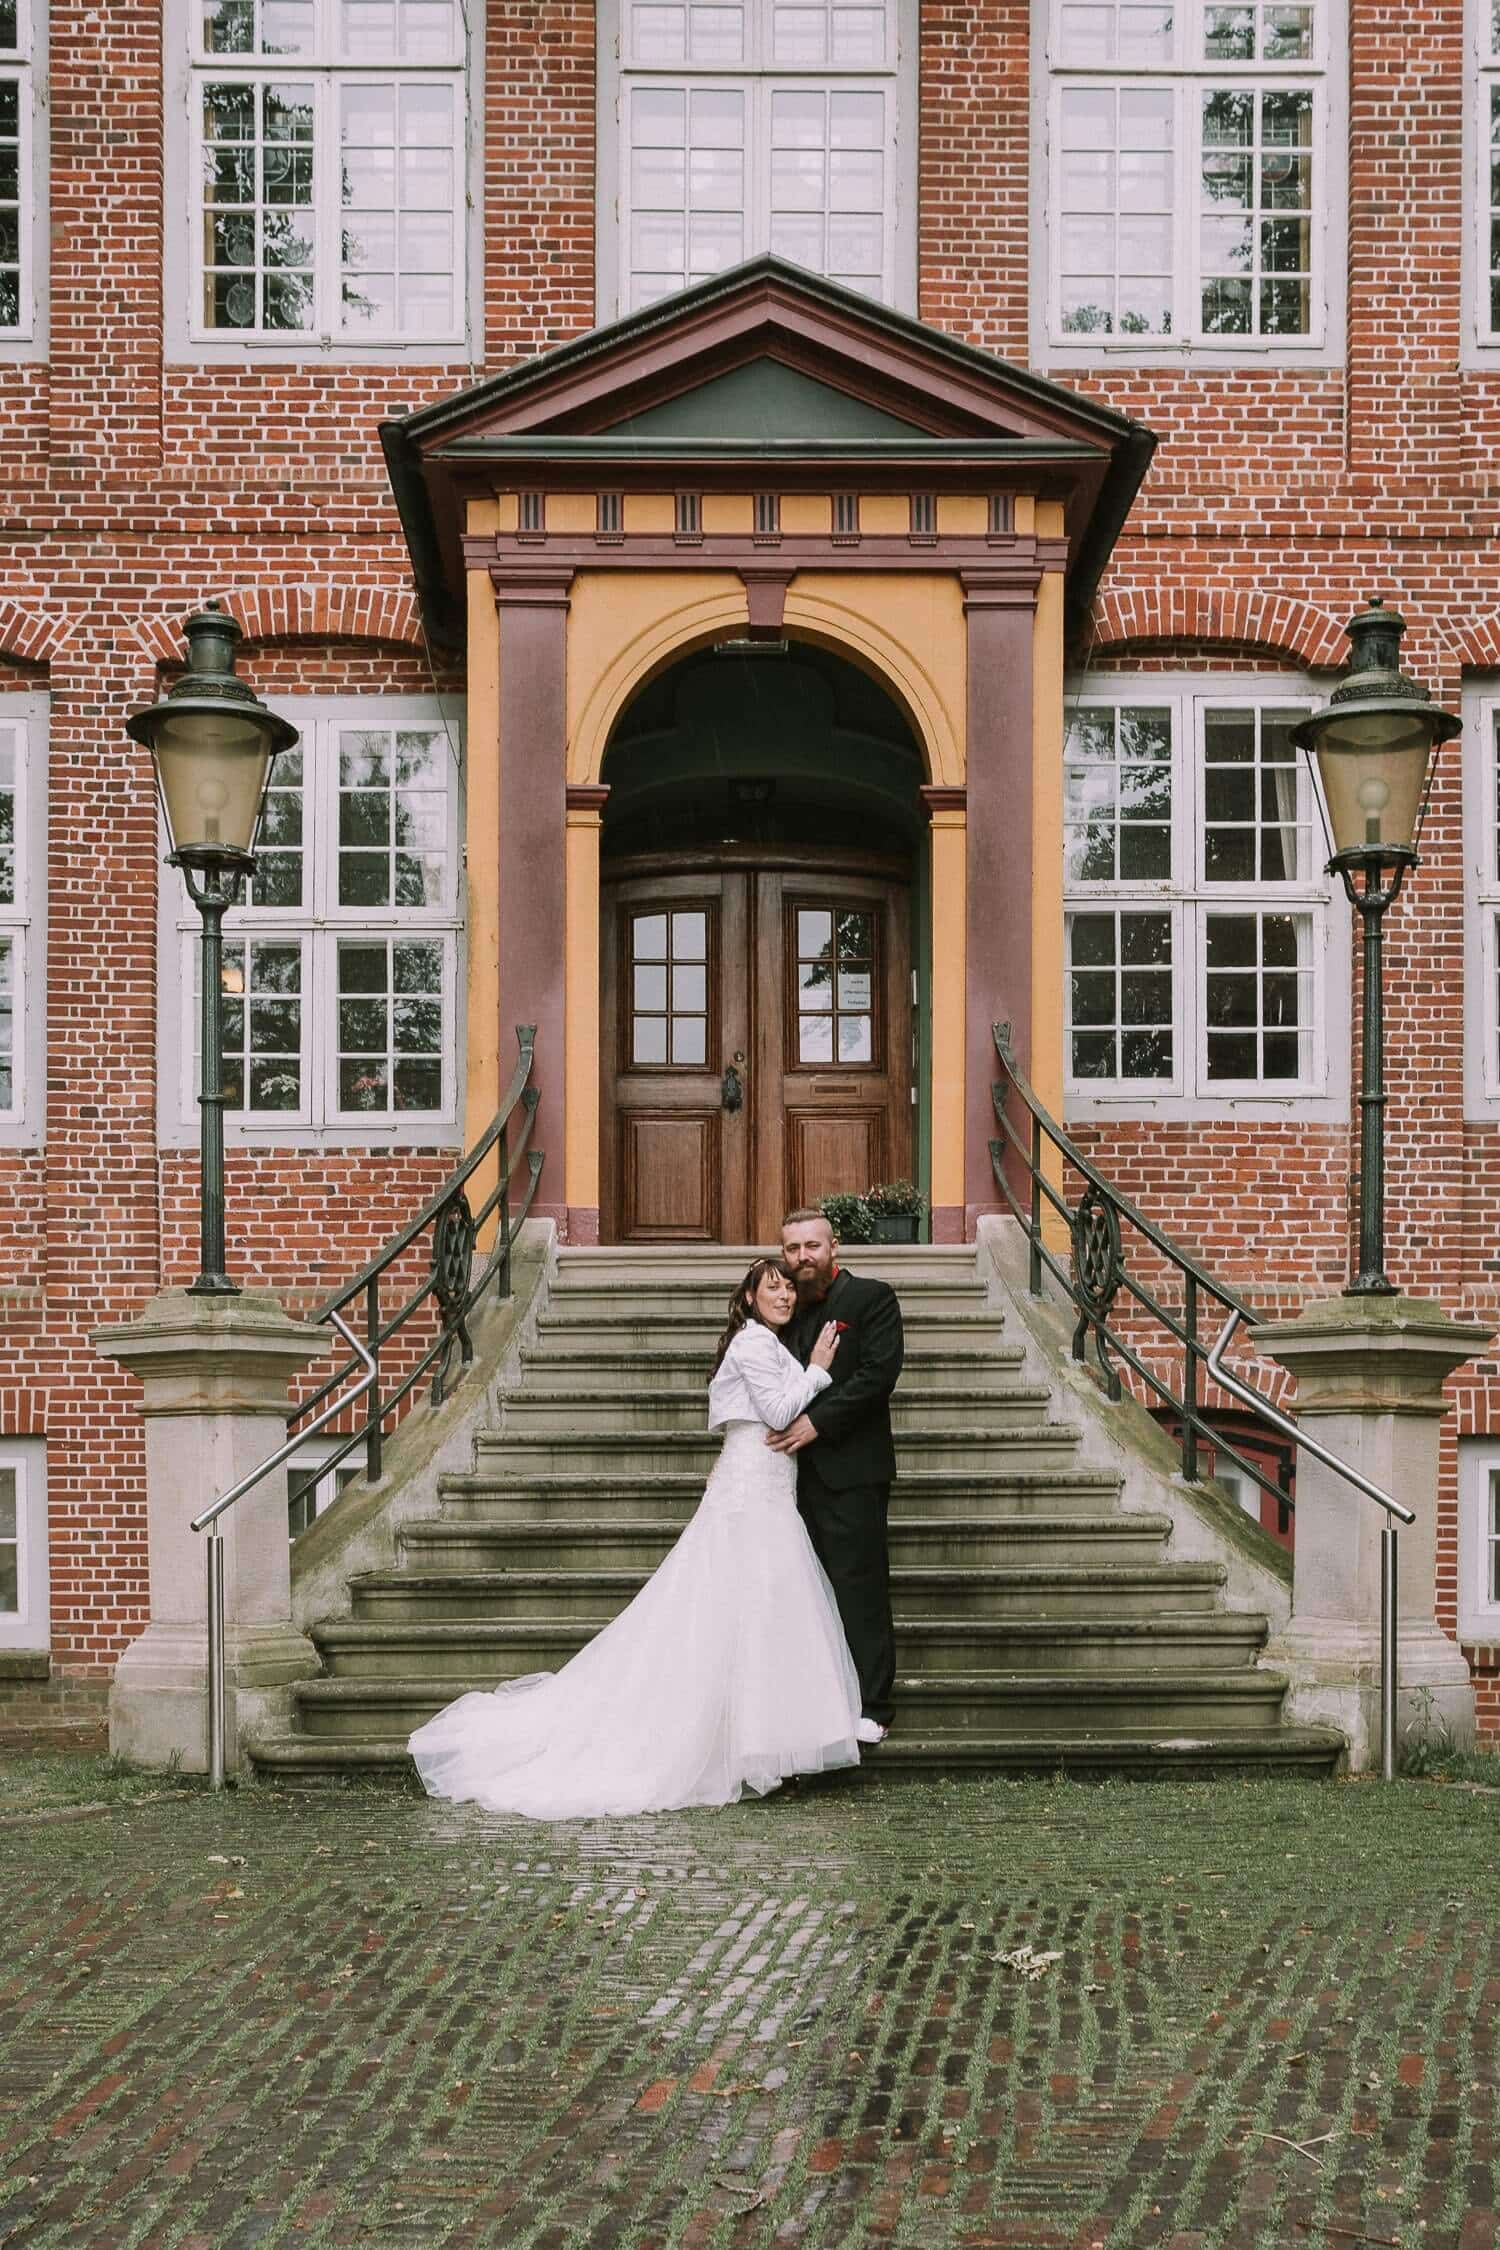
(999, 610)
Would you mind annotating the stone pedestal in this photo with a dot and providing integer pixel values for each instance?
(216, 1372)
(1370, 1373)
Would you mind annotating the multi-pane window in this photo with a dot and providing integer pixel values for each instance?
(1197, 911)
(835, 985)
(754, 127)
(1482, 921)
(669, 988)
(340, 970)
(329, 144)
(1187, 156)
(16, 951)
(24, 1621)
(17, 122)
(1479, 1538)
(1487, 155)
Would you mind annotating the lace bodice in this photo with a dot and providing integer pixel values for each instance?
(761, 1382)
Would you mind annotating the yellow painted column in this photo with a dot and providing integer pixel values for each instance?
(581, 999)
(949, 847)
(485, 1070)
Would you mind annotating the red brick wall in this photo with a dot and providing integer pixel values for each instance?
(1278, 501)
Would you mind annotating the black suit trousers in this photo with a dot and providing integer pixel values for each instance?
(848, 1532)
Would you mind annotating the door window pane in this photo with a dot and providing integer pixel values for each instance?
(669, 988)
(834, 984)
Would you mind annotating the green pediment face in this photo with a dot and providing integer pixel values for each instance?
(764, 400)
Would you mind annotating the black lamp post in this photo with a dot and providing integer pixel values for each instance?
(1373, 743)
(213, 741)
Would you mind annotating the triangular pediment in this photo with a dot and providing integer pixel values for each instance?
(764, 365)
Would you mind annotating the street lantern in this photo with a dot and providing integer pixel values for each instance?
(1373, 743)
(212, 741)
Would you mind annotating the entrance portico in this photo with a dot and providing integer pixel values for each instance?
(765, 460)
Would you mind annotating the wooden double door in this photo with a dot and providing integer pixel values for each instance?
(756, 1036)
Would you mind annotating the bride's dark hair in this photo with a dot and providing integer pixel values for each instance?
(742, 1303)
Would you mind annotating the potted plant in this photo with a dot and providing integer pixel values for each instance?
(895, 1208)
(849, 1216)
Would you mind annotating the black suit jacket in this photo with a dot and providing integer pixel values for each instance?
(853, 1416)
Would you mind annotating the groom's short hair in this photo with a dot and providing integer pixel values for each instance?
(802, 1218)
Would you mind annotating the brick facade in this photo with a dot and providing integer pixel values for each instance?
(133, 488)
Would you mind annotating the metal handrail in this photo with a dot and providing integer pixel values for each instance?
(208, 1520)
(1095, 1275)
(449, 1282)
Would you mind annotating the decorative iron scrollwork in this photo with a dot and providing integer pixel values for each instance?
(453, 1239)
(1098, 1269)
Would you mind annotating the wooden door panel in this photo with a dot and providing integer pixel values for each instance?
(669, 1175)
(834, 1152)
(674, 1013)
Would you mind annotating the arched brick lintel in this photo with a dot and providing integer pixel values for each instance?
(29, 636)
(288, 613)
(1280, 625)
(1478, 645)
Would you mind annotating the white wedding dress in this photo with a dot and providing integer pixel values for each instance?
(727, 1672)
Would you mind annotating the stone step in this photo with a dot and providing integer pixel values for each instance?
(626, 1542)
(479, 1652)
(1295, 1753)
(683, 1369)
(720, 1265)
(637, 1305)
(968, 1709)
(574, 1410)
(534, 1491)
(610, 1328)
(505, 1458)
(592, 1592)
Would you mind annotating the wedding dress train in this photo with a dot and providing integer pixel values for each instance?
(728, 1671)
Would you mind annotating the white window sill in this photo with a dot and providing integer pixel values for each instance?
(313, 352)
(1274, 356)
(270, 1138)
(1134, 1108)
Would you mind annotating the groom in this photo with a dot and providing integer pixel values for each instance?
(845, 1456)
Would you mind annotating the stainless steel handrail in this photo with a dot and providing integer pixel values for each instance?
(1273, 1415)
(208, 1521)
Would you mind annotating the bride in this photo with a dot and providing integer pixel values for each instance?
(727, 1672)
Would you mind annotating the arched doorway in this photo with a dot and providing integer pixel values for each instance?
(762, 944)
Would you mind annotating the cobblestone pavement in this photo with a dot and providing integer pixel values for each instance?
(358, 2018)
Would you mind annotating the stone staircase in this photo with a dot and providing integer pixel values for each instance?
(1040, 1623)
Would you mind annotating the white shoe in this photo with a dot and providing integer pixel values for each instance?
(870, 1730)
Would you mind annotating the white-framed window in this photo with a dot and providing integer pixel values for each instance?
(325, 161)
(342, 968)
(307, 1496)
(731, 129)
(1481, 803)
(24, 1601)
(1479, 1539)
(1191, 186)
(1207, 955)
(1482, 174)
(23, 935)
(23, 177)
